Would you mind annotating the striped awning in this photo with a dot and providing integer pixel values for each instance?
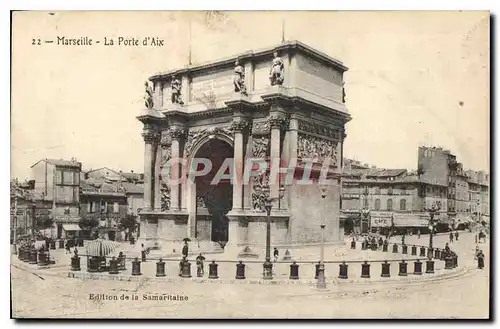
(101, 247)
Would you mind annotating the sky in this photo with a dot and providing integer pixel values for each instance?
(414, 78)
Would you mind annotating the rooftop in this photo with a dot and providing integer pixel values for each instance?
(61, 162)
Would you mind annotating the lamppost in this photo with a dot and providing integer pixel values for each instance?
(432, 212)
(365, 212)
(321, 284)
(268, 205)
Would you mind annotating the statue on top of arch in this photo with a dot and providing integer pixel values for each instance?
(148, 97)
(277, 73)
(239, 78)
(176, 91)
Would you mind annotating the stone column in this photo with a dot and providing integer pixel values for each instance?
(293, 144)
(238, 126)
(175, 134)
(149, 141)
(157, 180)
(276, 122)
(247, 188)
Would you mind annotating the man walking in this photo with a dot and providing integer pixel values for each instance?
(451, 237)
(276, 254)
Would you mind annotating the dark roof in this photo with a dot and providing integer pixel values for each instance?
(132, 176)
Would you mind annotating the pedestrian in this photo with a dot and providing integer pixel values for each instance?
(185, 249)
(456, 235)
(199, 265)
(144, 251)
(418, 234)
(476, 252)
(276, 254)
(480, 260)
(68, 249)
(451, 237)
(183, 260)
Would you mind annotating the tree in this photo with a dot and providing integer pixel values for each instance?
(127, 224)
(89, 223)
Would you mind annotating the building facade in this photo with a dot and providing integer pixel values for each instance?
(288, 106)
(57, 181)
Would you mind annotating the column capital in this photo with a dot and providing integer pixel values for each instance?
(278, 121)
(150, 136)
(176, 133)
(239, 125)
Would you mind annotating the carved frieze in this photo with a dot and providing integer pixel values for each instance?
(312, 147)
(165, 197)
(314, 128)
(261, 127)
(259, 195)
(260, 146)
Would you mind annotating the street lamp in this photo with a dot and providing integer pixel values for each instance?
(268, 205)
(432, 212)
(321, 284)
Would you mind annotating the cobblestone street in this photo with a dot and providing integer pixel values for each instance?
(49, 294)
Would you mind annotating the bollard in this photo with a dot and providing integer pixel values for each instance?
(212, 270)
(113, 266)
(365, 270)
(417, 270)
(414, 250)
(75, 263)
(121, 261)
(186, 269)
(403, 268)
(42, 258)
(343, 270)
(132, 240)
(405, 249)
(353, 244)
(385, 246)
(240, 271)
(160, 268)
(429, 266)
(422, 251)
(455, 260)
(33, 257)
(386, 270)
(294, 271)
(316, 273)
(448, 263)
(93, 265)
(430, 253)
(61, 244)
(394, 248)
(143, 255)
(136, 267)
(53, 245)
(437, 254)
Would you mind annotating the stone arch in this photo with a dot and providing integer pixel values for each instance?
(205, 138)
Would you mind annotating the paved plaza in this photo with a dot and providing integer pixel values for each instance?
(49, 293)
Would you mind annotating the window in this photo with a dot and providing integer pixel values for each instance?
(377, 190)
(403, 190)
(89, 207)
(389, 191)
(402, 204)
(365, 203)
(389, 204)
(115, 207)
(377, 204)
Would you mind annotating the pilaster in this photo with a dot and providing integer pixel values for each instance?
(176, 134)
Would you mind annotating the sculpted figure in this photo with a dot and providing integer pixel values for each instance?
(343, 92)
(277, 70)
(176, 91)
(239, 78)
(165, 198)
(148, 97)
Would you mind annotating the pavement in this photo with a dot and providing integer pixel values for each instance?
(50, 293)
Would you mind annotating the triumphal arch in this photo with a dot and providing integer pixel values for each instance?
(284, 102)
